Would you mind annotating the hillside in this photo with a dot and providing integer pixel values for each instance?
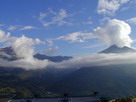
(27, 83)
(111, 81)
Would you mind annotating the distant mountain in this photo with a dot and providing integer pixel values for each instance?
(52, 58)
(7, 53)
(116, 49)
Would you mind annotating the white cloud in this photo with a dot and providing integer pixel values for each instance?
(76, 37)
(4, 36)
(52, 50)
(12, 27)
(27, 27)
(109, 7)
(24, 50)
(57, 18)
(20, 27)
(131, 20)
(23, 46)
(114, 32)
(25, 63)
(97, 60)
(104, 20)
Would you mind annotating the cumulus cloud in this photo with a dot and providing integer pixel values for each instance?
(52, 50)
(114, 32)
(24, 50)
(23, 46)
(4, 36)
(131, 20)
(109, 7)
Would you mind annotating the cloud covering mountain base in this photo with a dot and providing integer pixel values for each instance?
(97, 60)
(77, 62)
(114, 32)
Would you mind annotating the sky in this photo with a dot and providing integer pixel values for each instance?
(67, 27)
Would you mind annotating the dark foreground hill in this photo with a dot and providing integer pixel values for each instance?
(112, 81)
(27, 83)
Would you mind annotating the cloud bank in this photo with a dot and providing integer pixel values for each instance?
(97, 59)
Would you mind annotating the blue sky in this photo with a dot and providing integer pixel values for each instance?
(64, 25)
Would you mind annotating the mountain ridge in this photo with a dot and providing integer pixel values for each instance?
(8, 53)
(52, 58)
(116, 49)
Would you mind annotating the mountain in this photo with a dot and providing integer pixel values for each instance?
(52, 58)
(27, 83)
(111, 81)
(116, 49)
(7, 53)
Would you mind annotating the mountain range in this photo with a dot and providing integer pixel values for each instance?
(111, 80)
(8, 53)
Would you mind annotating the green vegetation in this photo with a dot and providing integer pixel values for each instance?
(125, 99)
